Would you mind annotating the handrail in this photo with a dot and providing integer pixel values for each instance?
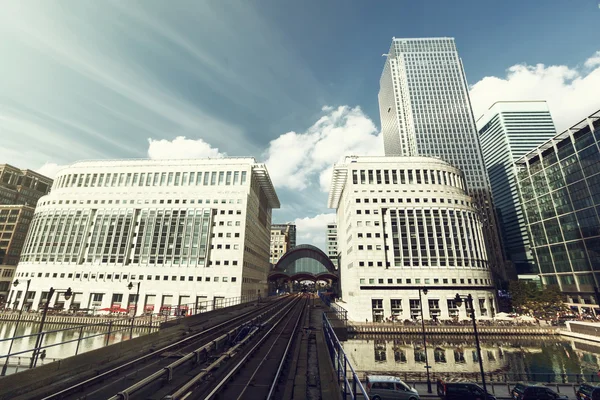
(342, 364)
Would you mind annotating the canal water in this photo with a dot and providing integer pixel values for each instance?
(542, 359)
(93, 338)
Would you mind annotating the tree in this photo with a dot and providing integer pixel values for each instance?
(542, 303)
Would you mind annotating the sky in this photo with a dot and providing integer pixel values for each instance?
(292, 83)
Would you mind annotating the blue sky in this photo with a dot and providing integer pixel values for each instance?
(293, 83)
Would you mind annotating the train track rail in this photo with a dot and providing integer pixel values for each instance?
(192, 350)
(256, 372)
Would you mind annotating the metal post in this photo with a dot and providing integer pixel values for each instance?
(12, 340)
(37, 342)
(109, 332)
(345, 379)
(134, 311)
(470, 303)
(37, 353)
(425, 343)
(79, 340)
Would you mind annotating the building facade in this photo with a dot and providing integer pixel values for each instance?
(186, 230)
(14, 222)
(404, 224)
(20, 190)
(425, 110)
(507, 131)
(282, 237)
(559, 185)
(22, 186)
(332, 244)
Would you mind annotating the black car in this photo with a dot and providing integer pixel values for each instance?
(588, 391)
(523, 391)
(462, 391)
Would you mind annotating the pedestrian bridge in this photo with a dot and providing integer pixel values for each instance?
(304, 263)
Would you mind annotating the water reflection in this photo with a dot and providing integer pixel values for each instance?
(546, 356)
(64, 350)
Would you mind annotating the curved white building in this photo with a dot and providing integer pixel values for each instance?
(187, 230)
(406, 223)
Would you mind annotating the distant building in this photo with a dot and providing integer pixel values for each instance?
(22, 186)
(14, 223)
(188, 231)
(426, 111)
(20, 190)
(332, 243)
(507, 131)
(559, 185)
(404, 224)
(283, 239)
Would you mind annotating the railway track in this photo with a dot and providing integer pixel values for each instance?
(255, 372)
(165, 366)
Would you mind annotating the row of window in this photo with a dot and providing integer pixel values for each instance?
(426, 281)
(418, 176)
(146, 201)
(123, 179)
(125, 277)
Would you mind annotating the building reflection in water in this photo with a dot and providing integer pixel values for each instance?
(449, 355)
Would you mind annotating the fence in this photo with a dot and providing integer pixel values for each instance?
(148, 321)
(347, 377)
(338, 310)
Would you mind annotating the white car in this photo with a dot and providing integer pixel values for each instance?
(385, 387)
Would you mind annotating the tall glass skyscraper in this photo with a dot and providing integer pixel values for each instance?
(507, 131)
(559, 183)
(425, 110)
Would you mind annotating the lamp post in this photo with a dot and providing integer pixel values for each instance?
(130, 286)
(38, 342)
(469, 306)
(424, 339)
(12, 340)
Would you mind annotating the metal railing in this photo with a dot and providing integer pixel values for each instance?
(339, 311)
(117, 325)
(350, 383)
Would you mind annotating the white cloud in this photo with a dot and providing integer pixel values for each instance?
(296, 159)
(313, 230)
(593, 61)
(571, 93)
(50, 169)
(182, 148)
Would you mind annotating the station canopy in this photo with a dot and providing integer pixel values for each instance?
(304, 263)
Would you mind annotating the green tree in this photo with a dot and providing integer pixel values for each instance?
(542, 303)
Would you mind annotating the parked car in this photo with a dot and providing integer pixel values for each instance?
(384, 387)
(588, 391)
(462, 391)
(524, 391)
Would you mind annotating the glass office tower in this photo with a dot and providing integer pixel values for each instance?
(425, 110)
(507, 131)
(559, 184)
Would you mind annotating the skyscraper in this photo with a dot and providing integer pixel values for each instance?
(425, 110)
(559, 185)
(507, 131)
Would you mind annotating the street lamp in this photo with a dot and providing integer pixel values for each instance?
(424, 339)
(38, 342)
(458, 300)
(130, 286)
(12, 340)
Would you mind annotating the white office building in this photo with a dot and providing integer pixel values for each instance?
(404, 224)
(425, 110)
(332, 243)
(186, 230)
(507, 131)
